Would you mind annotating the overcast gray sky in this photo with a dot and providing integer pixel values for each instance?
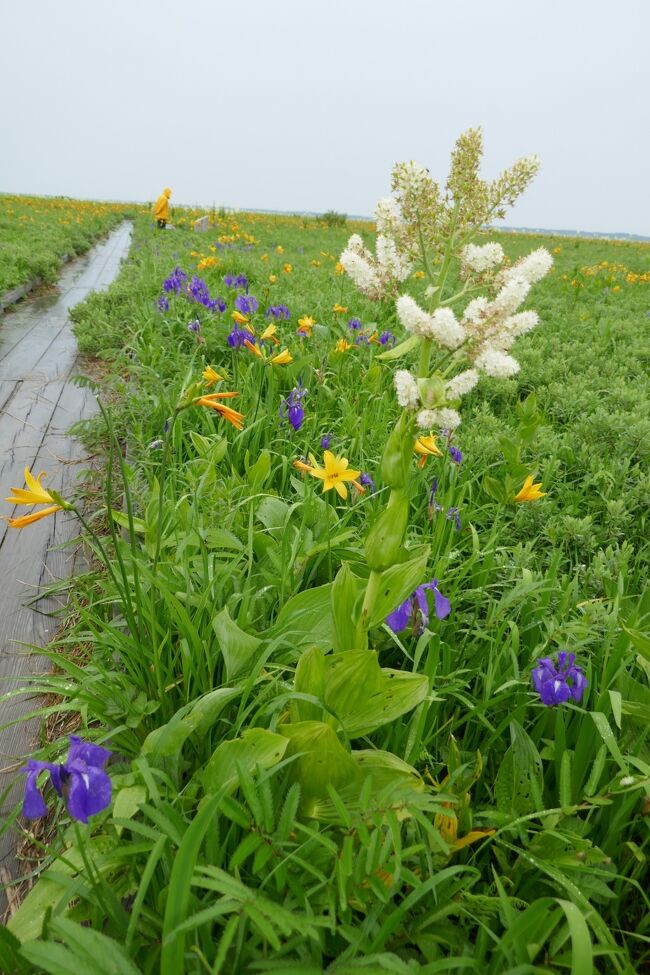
(296, 105)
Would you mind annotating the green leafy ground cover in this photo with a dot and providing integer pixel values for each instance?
(284, 801)
(36, 233)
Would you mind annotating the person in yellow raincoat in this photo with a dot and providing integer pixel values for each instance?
(161, 208)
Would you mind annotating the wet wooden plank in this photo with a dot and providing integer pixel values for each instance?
(38, 404)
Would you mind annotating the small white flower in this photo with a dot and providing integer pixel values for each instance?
(531, 268)
(412, 317)
(496, 363)
(361, 272)
(406, 388)
(445, 328)
(444, 419)
(627, 780)
(389, 260)
(386, 215)
(521, 323)
(461, 384)
(411, 176)
(481, 259)
(476, 310)
(511, 296)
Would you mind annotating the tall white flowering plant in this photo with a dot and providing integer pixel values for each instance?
(461, 332)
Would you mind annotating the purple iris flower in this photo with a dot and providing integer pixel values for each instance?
(556, 684)
(326, 441)
(455, 514)
(362, 339)
(174, 283)
(236, 281)
(455, 455)
(237, 337)
(278, 312)
(354, 324)
(246, 304)
(163, 304)
(194, 326)
(80, 781)
(387, 338)
(367, 481)
(415, 609)
(291, 408)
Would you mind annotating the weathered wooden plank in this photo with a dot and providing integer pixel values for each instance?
(37, 406)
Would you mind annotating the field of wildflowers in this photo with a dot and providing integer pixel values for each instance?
(359, 679)
(36, 234)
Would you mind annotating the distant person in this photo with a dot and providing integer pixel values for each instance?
(161, 208)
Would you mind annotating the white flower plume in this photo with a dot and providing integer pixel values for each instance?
(408, 395)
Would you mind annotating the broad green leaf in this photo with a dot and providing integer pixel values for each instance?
(27, 922)
(256, 747)
(346, 589)
(387, 769)
(89, 951)
(399, 350)
(216, 538)
(237, 646)
(305, 620)
(121, 518)
(519, 782)
(607, 735)
(197, 716)
(351, 679)
(641, 641)
(272, 512)
(127, 802)
(310, 679)
(365, 696)
(322, 758)
(210, 448)
(394, 782)
(258, 473)
(397, 583)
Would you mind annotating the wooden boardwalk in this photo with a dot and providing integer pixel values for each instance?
(37, 405)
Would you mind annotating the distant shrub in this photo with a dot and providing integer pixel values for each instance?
(333, 219)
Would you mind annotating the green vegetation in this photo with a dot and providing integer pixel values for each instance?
(36, 234)
(285, 800)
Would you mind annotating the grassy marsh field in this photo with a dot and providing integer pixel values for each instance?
(295, 789)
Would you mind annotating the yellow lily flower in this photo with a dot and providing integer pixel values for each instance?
(530, 491)
(342, 346)
(273, 278)
(448, 827)
(254, 348)
(339, 309)
(269, 334)
(280, 249)
(287, 268)
(211, 377)
(34, 493)
(418, 275)
(315, 263)
(306, 323)
(426, 446)
(282, 358)
(335, 473)
(304, 468)
(239, 318)
(211, 400)
(339, 269)
(264, 257)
